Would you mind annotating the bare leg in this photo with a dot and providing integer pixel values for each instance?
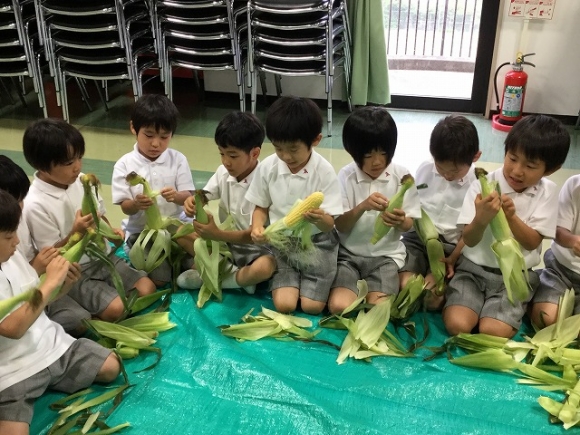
(459, 319)
(340, 298)
(286, 299)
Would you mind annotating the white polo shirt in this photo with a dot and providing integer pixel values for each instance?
(568, 214)
(26, 247)
(276, 188)
(42, 344)
(537, 207)
(49, 212)
(232, 196)
(357, 186)
(170, 169)
(442, 200)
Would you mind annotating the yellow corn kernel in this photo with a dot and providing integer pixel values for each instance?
(296, 214)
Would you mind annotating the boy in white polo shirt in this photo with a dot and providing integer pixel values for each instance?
(294, 127)
(369, 135)
(535, 147)
(454, 147)
(239, 137)
(562, 260)
(35, 352)
(52, 210)
(153, 122)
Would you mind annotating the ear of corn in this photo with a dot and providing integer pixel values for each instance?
(408, 300)
(291, 235)
(154, 220)
(396, 202)
(33, 296)
(200, 201)
(506, 249)
(435, 253)
(89, 206)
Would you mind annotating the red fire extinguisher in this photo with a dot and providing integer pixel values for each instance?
(514, 93)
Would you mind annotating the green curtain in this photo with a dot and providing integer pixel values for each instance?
(370, 72)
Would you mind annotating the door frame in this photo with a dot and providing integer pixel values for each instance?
(482, 72)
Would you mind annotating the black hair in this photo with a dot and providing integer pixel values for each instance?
(293, 119)
(154, 110)
(49, 142)
(242, 130)
(10, 212)
(454, 139)
(540, 137)
(13, 179)
(368, 129)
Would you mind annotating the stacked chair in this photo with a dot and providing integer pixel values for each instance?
(201, 35)
(20, 50)
(97, 40)
(298, 38)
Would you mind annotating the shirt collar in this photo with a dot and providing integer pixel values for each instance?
(506, 188)
(246, 181)
(362, 177)
(304, 172)
(49, 189)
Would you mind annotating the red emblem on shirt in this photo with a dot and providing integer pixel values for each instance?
(305, 171)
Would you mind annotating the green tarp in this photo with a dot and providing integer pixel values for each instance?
(207, 383)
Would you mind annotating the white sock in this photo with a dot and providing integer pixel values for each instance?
(230, 282)
(190, 279)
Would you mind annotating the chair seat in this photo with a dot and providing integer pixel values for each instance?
(290, 37)
(96, 72)
(285, 5)
(100, 56)
(278, 66)
(87, 40)
(201, 61)
(210, 45)
(9, 69)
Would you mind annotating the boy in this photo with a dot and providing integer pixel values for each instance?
(239, 137)
(153, 122)
(562, 260)
(454, 146)
(369, 135)
(35, 352)
(535, 147)
(294, 127)
(52, 212)
(14, 180)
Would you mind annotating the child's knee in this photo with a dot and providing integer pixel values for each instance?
(145, 286)
(496, 328)
(113, 311)
(312, 307)
(110, 369)
(285, 305)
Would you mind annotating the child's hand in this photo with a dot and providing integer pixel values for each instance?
(189, 206)
(56, 272)
(208, 231)
(258, 235)
(143, 202)
(508, 206)
(394, 219)
(315, 216)
(450, 265)
(82, 223)
(486, 208)
(72, 276)
(41, 260)
(168, 193)
(376, 201)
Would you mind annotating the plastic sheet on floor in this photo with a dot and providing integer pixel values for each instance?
(207, 383)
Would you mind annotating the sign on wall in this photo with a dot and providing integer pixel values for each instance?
(532, 9)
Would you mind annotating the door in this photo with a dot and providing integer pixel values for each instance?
(440, 53)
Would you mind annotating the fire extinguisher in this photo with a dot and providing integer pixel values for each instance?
(514, 93)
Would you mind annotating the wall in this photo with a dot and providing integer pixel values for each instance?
(554, 84)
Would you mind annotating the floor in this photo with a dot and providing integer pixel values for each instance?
(107, 134)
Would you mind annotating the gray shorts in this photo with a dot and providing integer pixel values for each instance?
(74, 370)
(163, 272)
(92, 294)
(314, 283)
(380, 273)
(417, 260)
(483, 291)
(245, 255)
(554, 280)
